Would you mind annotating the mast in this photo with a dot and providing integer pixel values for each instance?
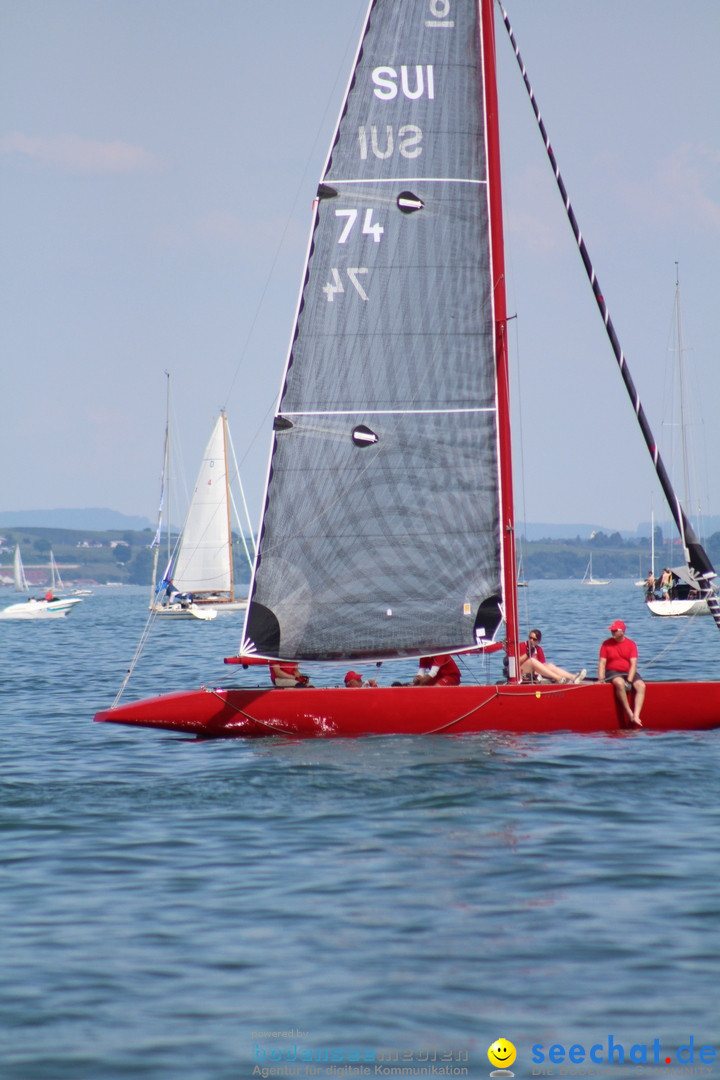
(681, 390)
(507, 518)
(164, 484)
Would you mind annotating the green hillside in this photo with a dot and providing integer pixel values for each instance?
(118, 556)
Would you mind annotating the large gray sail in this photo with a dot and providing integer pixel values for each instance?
(380, 534)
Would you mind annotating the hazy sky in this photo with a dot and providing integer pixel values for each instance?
(159, 159)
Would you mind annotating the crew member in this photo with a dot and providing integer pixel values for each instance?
(437, 671)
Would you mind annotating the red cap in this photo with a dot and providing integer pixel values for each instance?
(618, 625)
(352, 676)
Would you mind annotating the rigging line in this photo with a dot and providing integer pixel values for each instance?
(473, 676)
(248, 522)
(695, 555)
(136, 658)
(670, 645)
(459, 719)
(247, 716)
(497, 692)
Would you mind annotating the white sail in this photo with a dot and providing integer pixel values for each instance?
(19, 578)
(204, 559)
(56, 582)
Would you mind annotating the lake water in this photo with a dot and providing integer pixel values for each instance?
(174, 910)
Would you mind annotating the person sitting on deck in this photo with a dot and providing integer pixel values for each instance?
(534, 666)
(617, 664)
(437, 671)
(353, 679)
(287, 674)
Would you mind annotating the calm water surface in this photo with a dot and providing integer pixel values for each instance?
(168, 905)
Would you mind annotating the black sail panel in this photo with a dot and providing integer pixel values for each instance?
(380, 534)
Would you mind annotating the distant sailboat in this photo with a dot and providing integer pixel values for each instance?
(56, 582)
(199, 581)
(684, 595)
(58, 585)
(589, 579)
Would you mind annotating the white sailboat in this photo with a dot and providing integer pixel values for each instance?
(199, 581)
(683, 598)
(56, 581)
(590, 579)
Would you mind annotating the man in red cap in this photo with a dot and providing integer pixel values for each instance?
(354, 679)
(618, 664)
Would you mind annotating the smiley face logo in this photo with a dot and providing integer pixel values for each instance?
(502, 1053)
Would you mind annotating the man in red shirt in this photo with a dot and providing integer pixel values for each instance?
(618, 664)
(437, 671)
(287, 673)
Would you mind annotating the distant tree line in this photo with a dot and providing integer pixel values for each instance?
(612, 556)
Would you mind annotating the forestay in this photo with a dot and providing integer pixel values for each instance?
(381, 528)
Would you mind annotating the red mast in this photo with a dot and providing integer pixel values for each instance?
(497, 259)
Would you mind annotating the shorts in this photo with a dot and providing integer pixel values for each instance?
(610, 675)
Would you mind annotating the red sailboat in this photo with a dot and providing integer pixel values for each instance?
(388, 527)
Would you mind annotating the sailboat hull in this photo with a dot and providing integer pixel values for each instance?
(456, 710)
(675, 608)
(185, 611)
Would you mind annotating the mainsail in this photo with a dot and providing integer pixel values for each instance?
(204, 560)
(381, 527)
(19, 579)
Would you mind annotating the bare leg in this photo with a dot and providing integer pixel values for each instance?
(560, 673)
(639, 689)
(621, 695)
(547, 671)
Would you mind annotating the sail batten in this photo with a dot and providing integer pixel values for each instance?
(381, 528)
(415, 180)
